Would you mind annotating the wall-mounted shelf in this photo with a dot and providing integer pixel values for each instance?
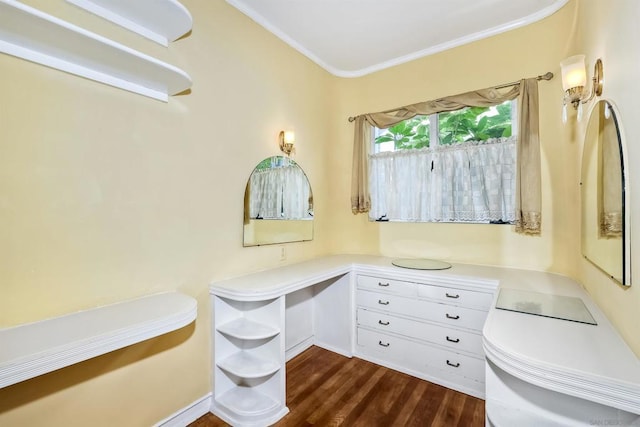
(162, 21)
(33, 349)
(33, 35)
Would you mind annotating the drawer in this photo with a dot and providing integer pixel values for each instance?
(481, 300)
(421, 358)
(427, 310)
(395, 350)
(387, 285)
(452, 338)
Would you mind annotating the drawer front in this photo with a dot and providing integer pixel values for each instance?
(387, 285)
(452, 338)
(388, 348)
(420, 357)
(427, 310)
(481, 300)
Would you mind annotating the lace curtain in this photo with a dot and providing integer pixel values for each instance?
(472, 182)
(279, 193)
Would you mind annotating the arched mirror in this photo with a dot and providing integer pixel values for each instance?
(605, 221)
(278, 204)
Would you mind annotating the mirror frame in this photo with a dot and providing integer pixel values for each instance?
(626, 214)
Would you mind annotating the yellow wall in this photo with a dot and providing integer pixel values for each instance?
(525, 52)
(609, 30)
(107, 195)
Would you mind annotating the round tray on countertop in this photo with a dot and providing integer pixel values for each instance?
(421, 263)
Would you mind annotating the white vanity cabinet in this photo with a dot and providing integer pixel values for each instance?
(434, 325)
(249, 376)
(428, 330)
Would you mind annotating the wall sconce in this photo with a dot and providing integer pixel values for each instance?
(287, 139)
(574, 80)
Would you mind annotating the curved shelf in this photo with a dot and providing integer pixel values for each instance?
(245, 329)
(247, 402)
(33, 35)
(37, 348)
(162, 21)
(607, 391)
(246, 365)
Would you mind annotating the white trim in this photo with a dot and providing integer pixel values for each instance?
(530, 19)
(333, 349)
(188, 414)
(298, 348)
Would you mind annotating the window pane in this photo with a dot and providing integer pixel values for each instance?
(409, 134)
(475, 124)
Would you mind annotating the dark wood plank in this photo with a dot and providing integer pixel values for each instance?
(327, 389)
(429, 401)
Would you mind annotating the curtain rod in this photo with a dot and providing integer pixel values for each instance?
(546, 76)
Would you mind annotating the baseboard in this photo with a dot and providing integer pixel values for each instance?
(333, 349)
(187, 415)
(298, 348)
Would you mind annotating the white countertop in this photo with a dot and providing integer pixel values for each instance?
(587, 361)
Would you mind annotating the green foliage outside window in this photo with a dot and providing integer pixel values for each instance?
(467, 124)
(408, 134)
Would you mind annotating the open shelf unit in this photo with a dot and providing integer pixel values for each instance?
(27, 33)
(246, 329)
(33, 349)
(162, 21)
(248, 362)
(247, 402)
(245, 365)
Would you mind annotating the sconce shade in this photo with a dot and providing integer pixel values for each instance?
(287, 139)
(573, 72)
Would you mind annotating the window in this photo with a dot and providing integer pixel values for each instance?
(456, 166)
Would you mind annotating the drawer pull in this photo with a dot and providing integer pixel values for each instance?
(456, 296)
(383, 284)
(455, 365)
(453, 339)
(383, 302)
(384, 323)
(385, 345)
(456, 317)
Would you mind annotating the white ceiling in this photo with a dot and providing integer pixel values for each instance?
(351, 38)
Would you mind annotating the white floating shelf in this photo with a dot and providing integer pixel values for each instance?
(245, 329)
(33, 349)
(246, 365)
(162, 21)
(33, 35)
(247, 402)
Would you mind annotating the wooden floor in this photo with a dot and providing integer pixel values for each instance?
(326, 389)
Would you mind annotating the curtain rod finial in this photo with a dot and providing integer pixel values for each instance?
(547, 76)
